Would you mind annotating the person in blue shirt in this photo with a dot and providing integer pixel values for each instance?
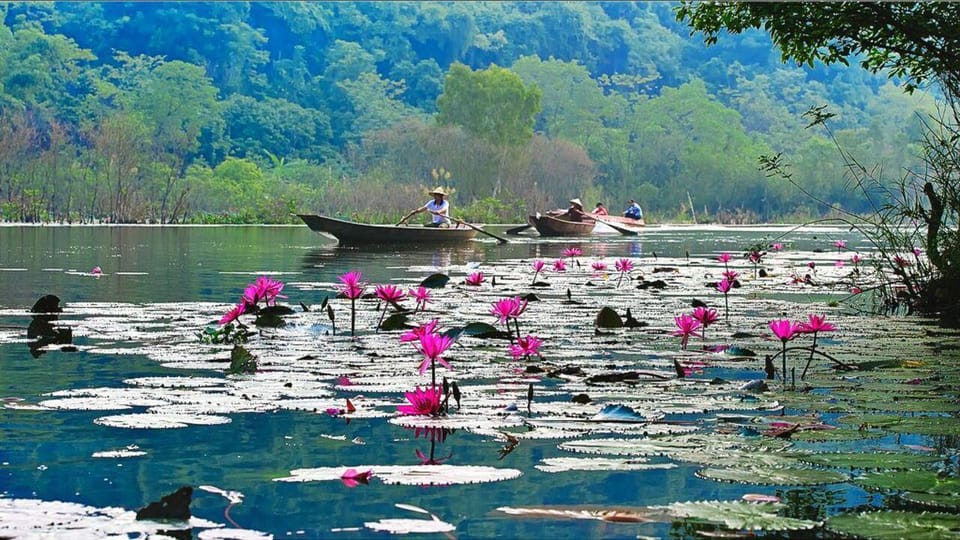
(439, 209)
(633, 211)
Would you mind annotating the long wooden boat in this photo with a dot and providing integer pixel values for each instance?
(552, 226)
(620, 220)
(350, 232)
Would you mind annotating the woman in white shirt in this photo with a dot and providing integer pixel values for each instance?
(439, 208)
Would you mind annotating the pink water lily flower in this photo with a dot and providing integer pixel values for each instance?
(777, 246)
(475, 279)
(538, 265)
(623, 265)
(839, 263)
(432, 346)
(526, 346)
(263, 288)
(599, 266)
(351, 286)
(389, 293)
(234, 313)
(784, 329)
(686, 326)
(724, 257)
(508, 308)
(559, 265)
(856, 259)
(816, 323)
(421, 295)
(840, 244)
(353, 478)
(917, 252)
(730, 275)
(724, 285)
(572, 252)
(420, 331)
(96, 270)
(706, 316)
(425, 402)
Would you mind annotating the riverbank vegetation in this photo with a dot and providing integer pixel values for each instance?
(248, 112)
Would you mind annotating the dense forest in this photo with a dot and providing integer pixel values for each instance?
(251, 111)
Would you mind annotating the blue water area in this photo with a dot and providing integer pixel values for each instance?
(47, 454)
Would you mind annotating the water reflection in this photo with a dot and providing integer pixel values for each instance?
(436, 436)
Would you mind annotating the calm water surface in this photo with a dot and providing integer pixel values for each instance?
(47, 454)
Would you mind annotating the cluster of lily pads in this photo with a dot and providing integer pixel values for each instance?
(606, 389)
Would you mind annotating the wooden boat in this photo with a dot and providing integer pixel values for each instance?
(620, 220)
(350, 232)
(548, 225)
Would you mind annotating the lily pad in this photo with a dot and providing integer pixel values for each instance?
(435, 281)
(889, 525)
(397, 321)
(919, 481)
(609, 514)
(479, 330)
(739, 515)
(941, 501)
(775, 477)
(839, 434)
(927, 425)
(563, 464)
(608, 318)
(875, 460)
(410, 475)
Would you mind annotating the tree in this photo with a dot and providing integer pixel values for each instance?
(493, 104)
(918, 42)
(915, 40)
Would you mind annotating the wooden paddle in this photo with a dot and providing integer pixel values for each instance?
(499, 239)
(518, 229)
(622, 230)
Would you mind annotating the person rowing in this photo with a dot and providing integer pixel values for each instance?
(573, 213)
(439, 209)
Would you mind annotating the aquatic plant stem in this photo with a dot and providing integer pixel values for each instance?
(353, 316)
(783, 373)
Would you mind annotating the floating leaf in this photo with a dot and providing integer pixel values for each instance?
(870, 420)
(920, 481)
(884, 525)
(948, 501)
(160, 421)
(610, 514)
(479, 330)
(435, 281)
(739, 515)
(411, 475)
(839, 434)
(397, 321)
(563, 464)
(875, 460)
(775, 477)
(927, 425)
(608, 318)
(408, 526)
(242, 361)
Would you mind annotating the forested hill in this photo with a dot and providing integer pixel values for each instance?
(249, 111)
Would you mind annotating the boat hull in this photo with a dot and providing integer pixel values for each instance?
(551, 226)
(349, 232)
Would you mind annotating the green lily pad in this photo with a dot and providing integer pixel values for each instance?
(839, 434)
(928, 425)
(883, 525)
(853, 460)
(397, 321)
(919, 481)
(435, 281)
(739, 515)
(870, 420)
(941, 501)
(608, 318)
(242, 361)
(773, 477)
(479, 330)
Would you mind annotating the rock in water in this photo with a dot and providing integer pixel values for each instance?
(173, 506)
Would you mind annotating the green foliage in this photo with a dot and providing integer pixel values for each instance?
(228, 333)
(884, 525)
(493, 104)
(242, 361)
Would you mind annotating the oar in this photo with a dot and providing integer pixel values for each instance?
(499, 239)
(519, 229)
(622, 230)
